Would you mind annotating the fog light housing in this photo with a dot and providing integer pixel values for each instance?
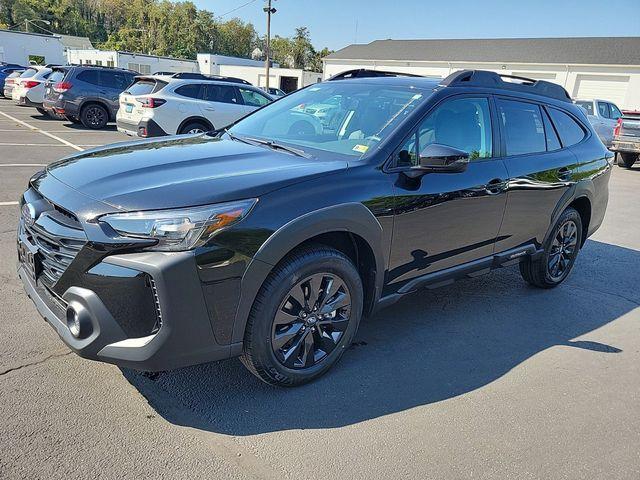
(142, 131)
(78, 321)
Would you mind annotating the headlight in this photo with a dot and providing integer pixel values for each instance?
(180, 229)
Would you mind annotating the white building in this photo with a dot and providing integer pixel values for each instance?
(23, 48)
(253, 71)
(145, 64)
(590, 67)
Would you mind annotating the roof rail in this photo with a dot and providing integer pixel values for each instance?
(487, 79)
(366, 73)
(202, 76)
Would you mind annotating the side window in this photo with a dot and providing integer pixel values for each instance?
(220, 93)
(463, 123)
(603, 108)
(615, 112)
(553, 142)
(252, 98)
(191, 90)
(90, 76)
(522, 126)
(588, 106)
(569, 130)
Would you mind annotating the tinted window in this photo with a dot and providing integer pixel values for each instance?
(57, 76)
(569, 130)
(603, 108)
(615, 111)
(588, 106)
(115, 80)
(522, 126)
(90, 76)
(189, 91)
(220, 93)
(463, 123)
(253, 98)
(553, 142)
(141, 87)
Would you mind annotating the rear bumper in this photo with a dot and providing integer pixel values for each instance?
(145, 128)
(25, 102)
(60, 107)
(625, 146)
(185, 336)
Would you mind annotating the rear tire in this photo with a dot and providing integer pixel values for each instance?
(94, 116)
(304, 317)
(73, 120)
(194, 127)
(626, 160)
(560, 252)
(43, 112)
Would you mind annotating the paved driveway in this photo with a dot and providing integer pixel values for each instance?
(487, 378)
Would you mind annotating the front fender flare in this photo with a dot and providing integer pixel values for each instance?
(354, 218)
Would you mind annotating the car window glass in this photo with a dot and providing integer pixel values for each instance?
(56, 76)
(553, 142)
(522, 126)
(220, 93)
(116, 80)
(28, 73)
(463, 123)
(588, 106)
(90, 76)
(615, 112)
(253, 98)
(191, 90)
(569, 130)
(141, 87)
(603, 108)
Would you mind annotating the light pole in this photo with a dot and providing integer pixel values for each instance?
(269, 11)
(27, 22)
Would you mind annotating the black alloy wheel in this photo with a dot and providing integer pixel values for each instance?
(563, 249)
(311, 321)
(94, 117)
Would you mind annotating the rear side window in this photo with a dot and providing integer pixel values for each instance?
(603, 108)
(29, 72)
(141, 87)
(569, 130)
(89, 76)
(523, 127)
(553, 142)
(116, 80)
(220, 93)
(57, 76)
(588, 106)
(190, 90)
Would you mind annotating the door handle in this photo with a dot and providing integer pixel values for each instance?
(495, 186)
(564, 173)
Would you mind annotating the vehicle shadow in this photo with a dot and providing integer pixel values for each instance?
(110, 127)
(432, 346)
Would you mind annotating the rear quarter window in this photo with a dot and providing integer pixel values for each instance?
(570, 131)
(29, 72)
(89, 76)
(57, 76)
(191, 90)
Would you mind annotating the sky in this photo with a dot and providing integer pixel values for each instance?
(338, 23)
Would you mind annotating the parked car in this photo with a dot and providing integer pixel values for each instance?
(29, 92)
(626, 139)
(185, 103)
(87, 94)
(9, 83)
(272, 244)
(12, 80)
(6, 70)
(274, 92)
(603, 115)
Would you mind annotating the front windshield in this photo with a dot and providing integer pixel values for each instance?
(342, 117)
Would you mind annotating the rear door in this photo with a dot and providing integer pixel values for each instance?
(221, 104)
(540, 165)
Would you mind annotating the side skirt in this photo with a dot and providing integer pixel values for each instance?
(466, 270)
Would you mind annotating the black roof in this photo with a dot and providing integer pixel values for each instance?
(576, 50)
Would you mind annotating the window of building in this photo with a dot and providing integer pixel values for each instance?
(133, 66)
(99, 63)
(145, 69)
(110, 63)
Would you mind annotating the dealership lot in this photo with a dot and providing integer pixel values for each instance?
(487, 378)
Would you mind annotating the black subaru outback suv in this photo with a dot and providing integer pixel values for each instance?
(270, 240)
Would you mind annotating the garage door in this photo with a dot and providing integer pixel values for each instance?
(606, 87)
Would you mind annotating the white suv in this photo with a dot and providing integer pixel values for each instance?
(159, 105)
(28, 89)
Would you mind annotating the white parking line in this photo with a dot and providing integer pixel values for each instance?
(6, 204)
(50, 135)
(32, 145)
(23, 165)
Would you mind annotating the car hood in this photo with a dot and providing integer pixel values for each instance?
(183, 171)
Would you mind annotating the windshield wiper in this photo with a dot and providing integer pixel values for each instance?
(278, 146)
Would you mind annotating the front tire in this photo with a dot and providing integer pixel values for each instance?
(560, 252)
(304, 317)
(94, 116)
(626, 160)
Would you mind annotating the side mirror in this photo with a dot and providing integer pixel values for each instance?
(441, 159)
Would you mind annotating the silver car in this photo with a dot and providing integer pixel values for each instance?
(603, 115)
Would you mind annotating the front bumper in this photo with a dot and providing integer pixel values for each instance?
(185, 336)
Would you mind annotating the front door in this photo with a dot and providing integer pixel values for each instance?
(447, 219)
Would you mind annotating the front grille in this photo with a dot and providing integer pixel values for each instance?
(59, 237)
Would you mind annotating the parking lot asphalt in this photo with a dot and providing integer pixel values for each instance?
(487, 378)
